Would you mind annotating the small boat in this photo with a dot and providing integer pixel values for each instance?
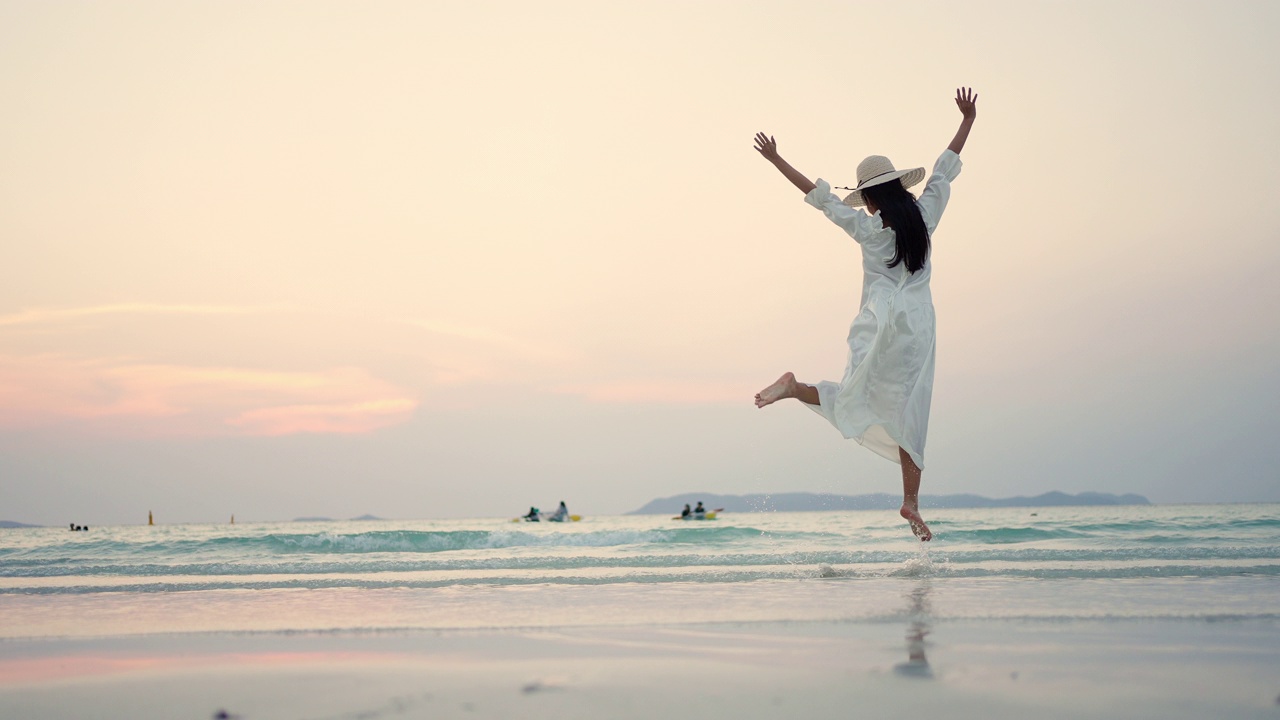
(708, 515)
(525, 518)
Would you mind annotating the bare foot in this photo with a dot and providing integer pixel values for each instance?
(783, 388)
(912, 515)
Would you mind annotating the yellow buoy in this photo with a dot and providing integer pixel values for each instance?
(150, 520)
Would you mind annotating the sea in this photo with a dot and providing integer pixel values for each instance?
(1195, 563)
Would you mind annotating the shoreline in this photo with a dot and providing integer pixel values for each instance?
(820, 594)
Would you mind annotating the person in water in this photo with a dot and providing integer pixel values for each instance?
(561, 514)
(686, 512)
(883, 400)
(699, 512)
(532, 516)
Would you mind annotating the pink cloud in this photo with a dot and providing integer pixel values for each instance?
(123, 395)
(51, 315)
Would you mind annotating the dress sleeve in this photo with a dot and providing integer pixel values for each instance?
(938, 190)
(854, 221)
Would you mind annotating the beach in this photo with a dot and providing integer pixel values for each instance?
(304, 305)
(1156, 611)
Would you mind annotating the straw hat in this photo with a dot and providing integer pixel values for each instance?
(876, 170)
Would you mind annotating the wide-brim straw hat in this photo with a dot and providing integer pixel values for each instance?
(877, 170)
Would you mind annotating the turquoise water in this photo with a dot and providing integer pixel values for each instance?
(1166, 561)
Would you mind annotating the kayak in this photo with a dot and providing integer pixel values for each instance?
(572, 518)
(692, 516)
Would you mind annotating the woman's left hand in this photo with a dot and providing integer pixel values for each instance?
(768, 147)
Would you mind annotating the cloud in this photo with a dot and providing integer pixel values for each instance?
(124, 395)
(50, 315)
(155, 369)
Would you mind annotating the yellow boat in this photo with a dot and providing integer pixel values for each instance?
(710, 515)
(572, 518)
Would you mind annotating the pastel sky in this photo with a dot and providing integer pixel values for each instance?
(429, 259)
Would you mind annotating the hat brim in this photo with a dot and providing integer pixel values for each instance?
(908, 178)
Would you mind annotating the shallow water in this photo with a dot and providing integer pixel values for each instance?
(1194, 562)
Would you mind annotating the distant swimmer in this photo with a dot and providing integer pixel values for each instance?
(883, 400)
(561, 514)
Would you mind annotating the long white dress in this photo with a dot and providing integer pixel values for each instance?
(883, 400)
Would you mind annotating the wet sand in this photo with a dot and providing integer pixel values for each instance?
(1044, 668)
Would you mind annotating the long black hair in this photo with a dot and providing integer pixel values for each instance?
(898, 211)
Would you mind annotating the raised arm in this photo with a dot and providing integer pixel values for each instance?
(768, 147)
(967, 101)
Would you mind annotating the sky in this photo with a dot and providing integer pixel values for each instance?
(429, 259)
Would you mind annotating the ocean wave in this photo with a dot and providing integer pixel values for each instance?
(554, 558)
(915, 568)
(1220, 542)
(394, 541)
(444, 541)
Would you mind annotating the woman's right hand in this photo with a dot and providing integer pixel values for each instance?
(967, 101)
(768, 147)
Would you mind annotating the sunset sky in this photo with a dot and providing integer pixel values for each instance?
(433, 259)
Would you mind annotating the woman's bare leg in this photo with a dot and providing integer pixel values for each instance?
(911, 496)
(787, 387)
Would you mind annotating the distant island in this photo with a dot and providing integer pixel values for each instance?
(329, 519)
(812, 502)
(12, 524)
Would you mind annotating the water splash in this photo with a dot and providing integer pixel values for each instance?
(922, 565)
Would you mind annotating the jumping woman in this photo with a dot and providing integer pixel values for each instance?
(883, 400)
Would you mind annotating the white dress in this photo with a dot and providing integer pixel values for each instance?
(883, 400)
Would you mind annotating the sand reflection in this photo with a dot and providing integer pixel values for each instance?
(918, 612)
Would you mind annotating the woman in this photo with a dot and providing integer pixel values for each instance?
(883, 400)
